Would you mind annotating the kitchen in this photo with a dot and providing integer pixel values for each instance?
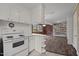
(16, 29)
(24, 27)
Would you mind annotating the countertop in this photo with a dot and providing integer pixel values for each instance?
(38, 34)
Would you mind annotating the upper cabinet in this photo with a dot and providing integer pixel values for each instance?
(4, 11)
(15, 12)
(20, 13)
(24, 15)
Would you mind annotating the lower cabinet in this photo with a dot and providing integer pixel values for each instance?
(39, 43)
(31, 43)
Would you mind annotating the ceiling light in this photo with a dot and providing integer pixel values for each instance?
(44, 25)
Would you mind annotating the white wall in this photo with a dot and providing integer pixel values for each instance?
(37, 14)
(19, 27)
(70, 29)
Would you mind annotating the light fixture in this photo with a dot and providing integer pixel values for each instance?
(44, 25)
(43, 6)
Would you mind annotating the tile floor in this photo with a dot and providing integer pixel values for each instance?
(35, 53)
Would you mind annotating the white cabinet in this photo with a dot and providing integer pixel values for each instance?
(39, 42)
(31, 44)
(20, 14)
(27, 30)
(15, 12)
(4, 11)
(25, 16)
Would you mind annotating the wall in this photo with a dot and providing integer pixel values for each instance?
(19, 27)
(37, 14)
(70, 29)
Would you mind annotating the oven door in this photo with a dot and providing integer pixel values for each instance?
(15, 47)
(17, 44)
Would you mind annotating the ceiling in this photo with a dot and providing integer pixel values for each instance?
(55, 12)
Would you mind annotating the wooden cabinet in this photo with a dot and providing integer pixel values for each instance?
(48, 29)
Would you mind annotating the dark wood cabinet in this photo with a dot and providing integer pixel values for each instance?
(48, 29)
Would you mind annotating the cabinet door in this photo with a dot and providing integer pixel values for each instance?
(31, 43)
(25, 16)
(37, 43)
(4, 11)
(14, 12)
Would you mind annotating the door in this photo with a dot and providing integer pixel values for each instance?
(76, 30)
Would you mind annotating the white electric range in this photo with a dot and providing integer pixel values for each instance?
(15, 44)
